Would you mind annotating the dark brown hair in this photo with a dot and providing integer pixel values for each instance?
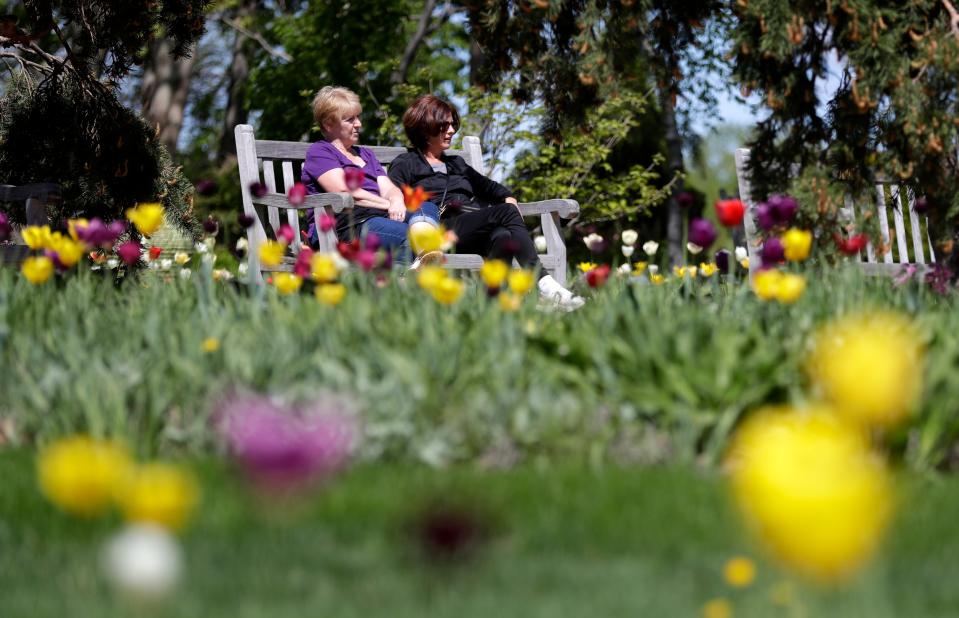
(426, 118)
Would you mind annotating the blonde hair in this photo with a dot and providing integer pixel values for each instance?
(334, 103)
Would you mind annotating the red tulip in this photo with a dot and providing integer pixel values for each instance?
(730, 212)
(285, 234)
(354, 178)
(326, 222)
(155, 252)
(597, 276)
(852, 245)
(297, 194)
(414, 197)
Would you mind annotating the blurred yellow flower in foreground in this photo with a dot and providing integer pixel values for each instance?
(739, 571)
(791, 287)
(211, 344)
(69, 251)
(81, 475)
(426, 238)
(323, 268)
(796, 244)
(586, 266)
(766, 283)
(37, 269)
(869, 367)
(36, 236)
(811, 489)
(287, 283)
(494, 272)
(520, 281)
(430, 276)
(657, 279)
(147, 217)
(272, 252)
(330, 294)
(161, 494)
(509, 301)
(447, 291)
(717, 608)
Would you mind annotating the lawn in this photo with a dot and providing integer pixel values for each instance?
(554, 541)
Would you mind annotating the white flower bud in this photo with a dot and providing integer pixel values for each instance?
(693, 248)
(628, 250)
(630, 237)
(650, 247)
(540, 242)
(143, 561)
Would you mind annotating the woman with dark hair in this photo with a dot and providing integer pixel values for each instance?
(481, 212)
(379, 207)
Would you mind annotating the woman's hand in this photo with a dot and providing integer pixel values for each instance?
(397, 210)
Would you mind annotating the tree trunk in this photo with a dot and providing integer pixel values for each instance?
(674, 163)
(164, 90)
(239, 71)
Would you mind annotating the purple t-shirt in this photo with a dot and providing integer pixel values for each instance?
(323, 157)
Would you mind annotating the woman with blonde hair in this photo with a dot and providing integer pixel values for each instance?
(337, 164)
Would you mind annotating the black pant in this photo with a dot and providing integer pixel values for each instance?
(495, 232)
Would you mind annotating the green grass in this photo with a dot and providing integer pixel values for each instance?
(562, 541)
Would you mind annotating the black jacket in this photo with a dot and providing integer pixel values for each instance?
(465, 188)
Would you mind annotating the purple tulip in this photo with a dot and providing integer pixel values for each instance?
(366, 259)
(685, 199)
(702, 232)
(284, 447)
(244, 220)
(5, 228)
(764, 216)
(210, 225)
(921, 205)
(372, 241)
(303, 266)
(257, 189)
(206, 187)
(722, 260)
(129, 252)
(773, 251)
(783, 208)
(97, 234)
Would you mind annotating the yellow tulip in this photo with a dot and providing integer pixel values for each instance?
(447, 291)
(739, 572)
(36, 236)
(271, 253)
(796, 244)
(510, 302)
(717, 608)
(493, 273)
(147, 217)
(211, 344)
(68, 251)
(72, 227)
(790, 288)
(520, 281)
(744, 263)
(586, 266)
(869, 367)
(37, 270)
(81, 475)
(708, 270)
(287, 283)
(426, 238)
(683, 271)
(323, 268)
(639, 268)
(811, 489)
(657, 279)
(430, 276)
(330, 293)
(161, 494)
(181, 257)
(766, 284)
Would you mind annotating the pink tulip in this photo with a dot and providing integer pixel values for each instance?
(297, 194)
(129, 252)
(354, 178)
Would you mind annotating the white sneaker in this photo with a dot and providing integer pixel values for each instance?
(552, 291)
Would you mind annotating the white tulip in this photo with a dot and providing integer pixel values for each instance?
(143, 561)
(241, 244)
(201, 248)
(593, 240)
(628, 250)
(650, 247)
(242, 268)
(693, 248)
(185, 273)
(630, 237)
(626, 268)
(741, 254)
(166, 264)
(540, 242)
(652, 269)
(112, 263)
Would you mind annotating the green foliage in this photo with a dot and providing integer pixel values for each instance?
(893, 113)
(578, 166)
(358, 45)
(637, 363)
(105, 157)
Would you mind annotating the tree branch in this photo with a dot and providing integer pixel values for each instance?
(428, 24)
(257, 37)
(953, 17)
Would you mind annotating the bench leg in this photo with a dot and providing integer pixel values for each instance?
(555, 247)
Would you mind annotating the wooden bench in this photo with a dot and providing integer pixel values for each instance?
(36, 198)
(258, 161)
(891, 198)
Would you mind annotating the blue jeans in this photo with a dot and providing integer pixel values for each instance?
(393, 234)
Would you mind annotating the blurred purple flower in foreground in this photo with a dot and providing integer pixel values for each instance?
(285, 447)
(5, 227)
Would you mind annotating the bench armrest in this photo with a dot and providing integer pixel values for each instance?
(566, 209)
(338, 201)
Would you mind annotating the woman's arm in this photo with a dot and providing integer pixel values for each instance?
(487, 188)
(394, 196)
